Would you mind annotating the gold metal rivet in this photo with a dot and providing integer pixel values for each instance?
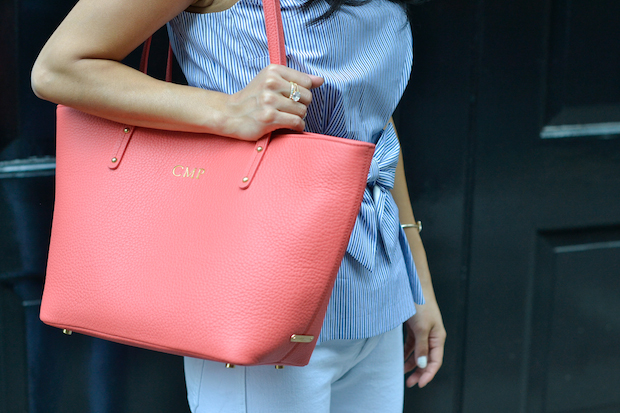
(230, 366)
(260, 148)
(245, 179)
(126, 130)
(279, 367)
(67, 332)
(114, 159)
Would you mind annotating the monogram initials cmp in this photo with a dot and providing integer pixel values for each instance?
(183, 171)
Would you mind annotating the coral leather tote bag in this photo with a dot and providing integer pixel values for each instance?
(197, 244)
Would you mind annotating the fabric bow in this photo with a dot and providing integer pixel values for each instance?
(378, 216)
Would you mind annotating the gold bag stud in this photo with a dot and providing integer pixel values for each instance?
(67, 331)
(300, 338)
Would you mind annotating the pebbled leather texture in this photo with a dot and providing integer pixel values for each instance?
(171, 250)
(154, 256)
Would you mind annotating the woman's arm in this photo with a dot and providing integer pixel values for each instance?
(80, 67)
(426, 334)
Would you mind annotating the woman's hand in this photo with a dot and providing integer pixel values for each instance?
(424, 344)
(264, 104)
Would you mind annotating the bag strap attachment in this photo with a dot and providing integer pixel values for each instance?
(119, 151)
(277, 55)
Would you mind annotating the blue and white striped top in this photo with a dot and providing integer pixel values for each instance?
(364, 53)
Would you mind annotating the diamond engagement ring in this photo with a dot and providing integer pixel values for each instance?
(295, 94)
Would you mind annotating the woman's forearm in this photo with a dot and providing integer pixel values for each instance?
(112, 90)
(405, 212)
(80, 67)
(426, 335)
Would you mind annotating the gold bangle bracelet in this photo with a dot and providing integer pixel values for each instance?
(417, 225)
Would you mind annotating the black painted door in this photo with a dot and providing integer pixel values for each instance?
(41, 370)
(511, 127)
(510, 134)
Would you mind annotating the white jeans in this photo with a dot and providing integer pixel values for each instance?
(356, 376)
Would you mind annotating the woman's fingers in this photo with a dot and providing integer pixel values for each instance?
(277, 101)
(266, 103)
(293, 122)
(409, 348)
(265, 121)
(316, 81)
(422, 376)
(294, 108)
(304, 80)
(288, 88)
(286, 81)
(292, 80)
(424, 345)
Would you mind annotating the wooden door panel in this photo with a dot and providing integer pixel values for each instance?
(582, 85)
(528, 191)
(575, 322)
(509, 133)
(41, 370)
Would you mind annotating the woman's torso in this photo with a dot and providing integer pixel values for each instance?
(363, 52)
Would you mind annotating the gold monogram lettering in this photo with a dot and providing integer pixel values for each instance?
(183, 171)
(175, 168)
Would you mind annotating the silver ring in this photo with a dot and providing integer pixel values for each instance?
(295, 95)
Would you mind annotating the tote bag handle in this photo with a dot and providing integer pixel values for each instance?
(275, 40)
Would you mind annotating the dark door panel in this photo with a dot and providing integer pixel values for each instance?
(549, 61)
(41, 370)
(509, 130)
(575, 322)
(583, 61)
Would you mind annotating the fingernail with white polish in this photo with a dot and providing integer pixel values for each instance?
(422, 362)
